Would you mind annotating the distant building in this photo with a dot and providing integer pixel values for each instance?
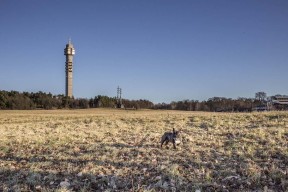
(69, 51)
(280, 99)
(278, 102)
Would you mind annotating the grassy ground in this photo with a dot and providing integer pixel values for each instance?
(115, 150)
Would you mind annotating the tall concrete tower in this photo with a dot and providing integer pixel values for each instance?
(69, 51)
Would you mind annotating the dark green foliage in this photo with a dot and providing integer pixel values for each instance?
(41, 100)
(137, 104)
(217, 104)
(15, 100)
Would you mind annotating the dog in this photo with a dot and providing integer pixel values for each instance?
(170, 137)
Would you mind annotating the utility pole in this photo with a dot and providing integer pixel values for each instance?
(119, 98)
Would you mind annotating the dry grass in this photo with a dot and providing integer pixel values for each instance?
(115, 150)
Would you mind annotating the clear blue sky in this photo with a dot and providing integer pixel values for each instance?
(161, 50)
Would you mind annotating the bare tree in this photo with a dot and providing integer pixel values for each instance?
(260, 96)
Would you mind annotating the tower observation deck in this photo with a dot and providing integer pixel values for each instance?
(69, 51)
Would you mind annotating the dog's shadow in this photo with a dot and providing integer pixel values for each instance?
(123, 145)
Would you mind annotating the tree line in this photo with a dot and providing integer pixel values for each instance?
(41, 100)
(223, 104)
(215, 104)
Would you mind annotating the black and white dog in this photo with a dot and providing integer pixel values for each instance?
(170, 137)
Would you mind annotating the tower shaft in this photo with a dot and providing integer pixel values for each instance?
(69, 51)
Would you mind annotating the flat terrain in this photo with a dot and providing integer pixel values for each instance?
(117, 150)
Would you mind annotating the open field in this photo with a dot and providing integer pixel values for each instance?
(117, 150)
